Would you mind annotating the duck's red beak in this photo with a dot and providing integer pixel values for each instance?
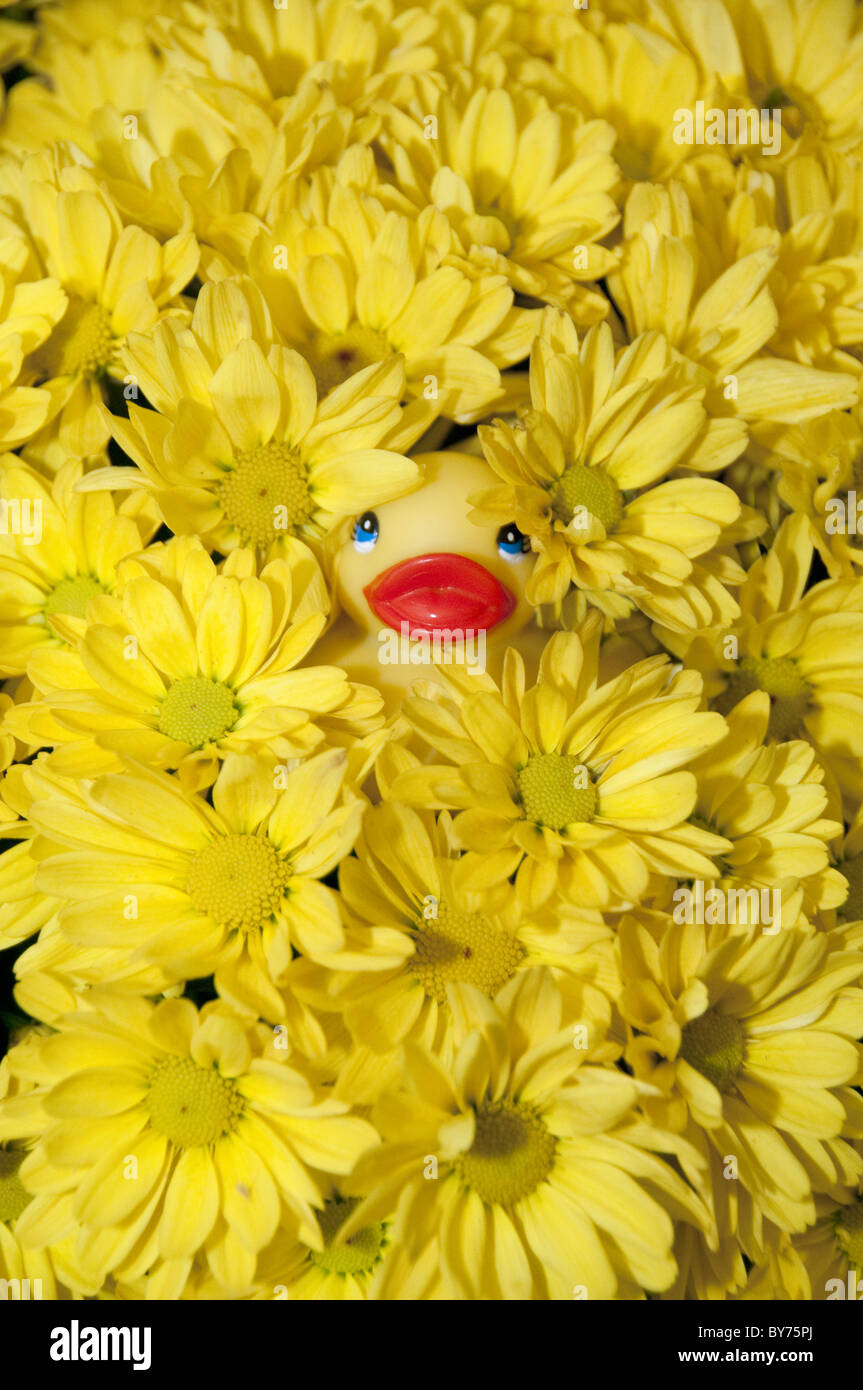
(439, 591)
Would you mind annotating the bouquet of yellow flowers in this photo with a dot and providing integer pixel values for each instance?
(431, 646)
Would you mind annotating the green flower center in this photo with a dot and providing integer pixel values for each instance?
(191, 1105)
(359, 1253)
(590, 489)
(335, 358)
(197, 710)
(463, 947)
(14, 1196)
(506, 219)
(848, 1229)
(82, 344)
(780, 677)
(852, 908)
(794, 113)
(634, 162)
(556, 790)
(714, 1045)
(238, 881)
(71, 596)
(266, 494)
(512, 1153)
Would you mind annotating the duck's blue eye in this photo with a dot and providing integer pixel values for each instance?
(511, 542)
(366, 532)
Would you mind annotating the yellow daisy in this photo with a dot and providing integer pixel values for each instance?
(196, 889)
(749, 1040)
(360, 284)
(571, 784)
(63, 550)
(194, 662)
(538, 1168)
(585, 474)
(31, 305)
(805, 57)
(361, 49)
(161, 1132)
(683, 275)
(24, 1274)
(420, 929)
(117, 280)
(637, 82)
(237, 448)
(770, 806)
(803, 647)
(816, 470)
(526, 186)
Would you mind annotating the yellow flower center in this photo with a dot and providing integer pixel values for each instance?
(714, 1044)
(335, 358)
(14, 1196)
(266, 494)
(463, 946)
(852, 908)
(592, 489)
(556, 790)
(238, 881)
(191, 1105)
(512, 1153)
(359, 1253)
(71, 596)
(780, 677)
(197, 710)
(848, 1228)
(82, 344)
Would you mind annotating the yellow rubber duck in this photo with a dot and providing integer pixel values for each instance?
(416, 582)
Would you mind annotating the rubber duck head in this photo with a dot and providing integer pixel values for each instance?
(418, 565)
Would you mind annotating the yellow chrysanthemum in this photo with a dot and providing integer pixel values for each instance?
(238, 449)
(571, 784)
(24, 1274)
(806, 57)
(117, 280)
(817, 469)
(361, 49)
(292, 1270)
(361, 284)
(194, 662)
(527, 187)
(804, 648)
(419, 929)
(637, 82)
(31, 305)
(77, 73)
(749, 1041)
(196, 889)
(60, 550)
(824, 1263)
(769, 804)
(680, 276)
(585, 475)
(161, 1132)
(539, 1166)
